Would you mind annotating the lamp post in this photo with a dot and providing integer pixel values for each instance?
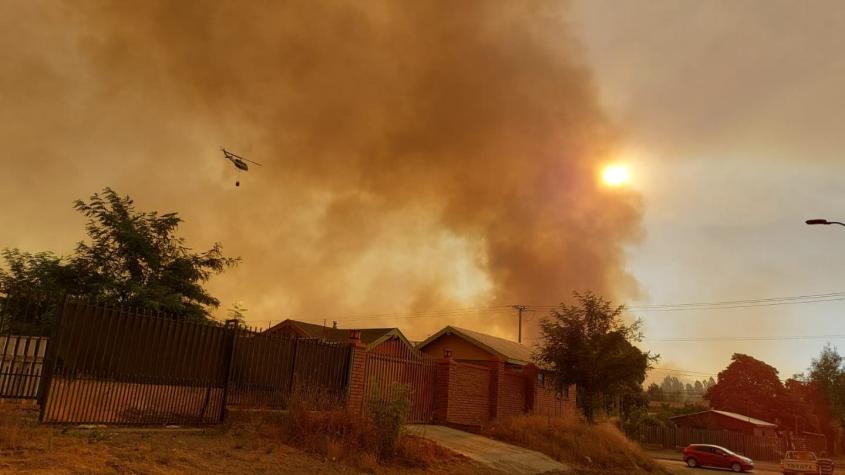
(822, 221)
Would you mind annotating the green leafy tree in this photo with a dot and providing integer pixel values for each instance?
(130, 258)
(827, 374)
(654, 393)
(589, 344)
(751, 387)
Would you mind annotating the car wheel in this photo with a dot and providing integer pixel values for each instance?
(736, 467)
(692, 463)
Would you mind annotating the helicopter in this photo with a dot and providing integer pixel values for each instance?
(239, 162)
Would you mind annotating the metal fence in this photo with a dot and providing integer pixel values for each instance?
(761, 448)
(21, 362)
(110, 365)
(25, 320)
(400, 372)
(267, 368)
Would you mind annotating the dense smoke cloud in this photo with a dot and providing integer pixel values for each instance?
(417, 155)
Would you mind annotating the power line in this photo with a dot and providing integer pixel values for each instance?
(749, 338)
(682, 371)
(730, 304)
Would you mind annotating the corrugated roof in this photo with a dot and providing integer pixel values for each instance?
(732, 415)
(756, 422)
(508, 350)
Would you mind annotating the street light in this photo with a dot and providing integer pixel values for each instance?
(823, 221)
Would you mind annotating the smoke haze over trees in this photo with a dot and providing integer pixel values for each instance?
(417, 156)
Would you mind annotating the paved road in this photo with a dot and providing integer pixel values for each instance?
(761, 468)
(497, 455)
(678, 467)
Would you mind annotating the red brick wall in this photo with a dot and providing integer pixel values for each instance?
(548, 402)
(357, 377)
(469, 394)
(512, 394)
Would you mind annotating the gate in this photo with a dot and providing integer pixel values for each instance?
(268, 368)
(24, 322)
(110, 365)
(399, 371)
(21, 361)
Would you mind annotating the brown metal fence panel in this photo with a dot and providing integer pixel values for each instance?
(21, 362)
(402, 370)
(268, 367)
(110, 365)
(760, 448)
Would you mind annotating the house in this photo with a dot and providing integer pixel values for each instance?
(468, 346)
(379, 340)
(480, 361)
(723, 420)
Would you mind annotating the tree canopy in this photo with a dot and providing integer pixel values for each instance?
(590, 345)
(131, 258)
(751, 387)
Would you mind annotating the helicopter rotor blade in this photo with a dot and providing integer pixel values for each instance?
(250, 161)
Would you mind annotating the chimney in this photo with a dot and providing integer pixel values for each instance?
(334, 324)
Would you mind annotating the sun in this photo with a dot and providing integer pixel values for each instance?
(615, 175)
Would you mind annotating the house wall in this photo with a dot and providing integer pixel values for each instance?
(512, 394)
(460, 393)
(287, 329)
(548, 402)
(468, 400)
(392, 347)
(461, 349)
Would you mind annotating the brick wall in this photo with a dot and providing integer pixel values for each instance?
(357, 373)
(548, 402)
(512, 394)
(469, 394)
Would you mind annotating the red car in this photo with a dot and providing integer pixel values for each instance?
(703, 455)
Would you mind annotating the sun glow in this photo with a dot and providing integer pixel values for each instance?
(615, 175)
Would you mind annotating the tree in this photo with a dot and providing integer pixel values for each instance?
(237, 312)
(588, 344)
(751, 387)
(131, 258)
(827, 374)
(654, 393)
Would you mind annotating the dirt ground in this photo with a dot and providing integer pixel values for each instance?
(237, 447)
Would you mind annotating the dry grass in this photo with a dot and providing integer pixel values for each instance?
(599, 448)
(250, 442)
(17, 430)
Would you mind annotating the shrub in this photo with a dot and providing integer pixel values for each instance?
(388, 413)
(327, 427)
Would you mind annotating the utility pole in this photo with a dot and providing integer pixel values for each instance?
(520, 309)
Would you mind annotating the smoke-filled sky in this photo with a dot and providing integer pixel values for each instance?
(434, 159)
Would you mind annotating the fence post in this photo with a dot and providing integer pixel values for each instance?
(233, 325)
(49, 357)
(442, 381)
(357, 368)
(530, 372)
(497, 377)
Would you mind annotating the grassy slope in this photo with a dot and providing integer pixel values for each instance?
(590, 448)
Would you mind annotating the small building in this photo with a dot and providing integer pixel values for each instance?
(380, 340)
(723, 420)
(528, 387)
(468, 346)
